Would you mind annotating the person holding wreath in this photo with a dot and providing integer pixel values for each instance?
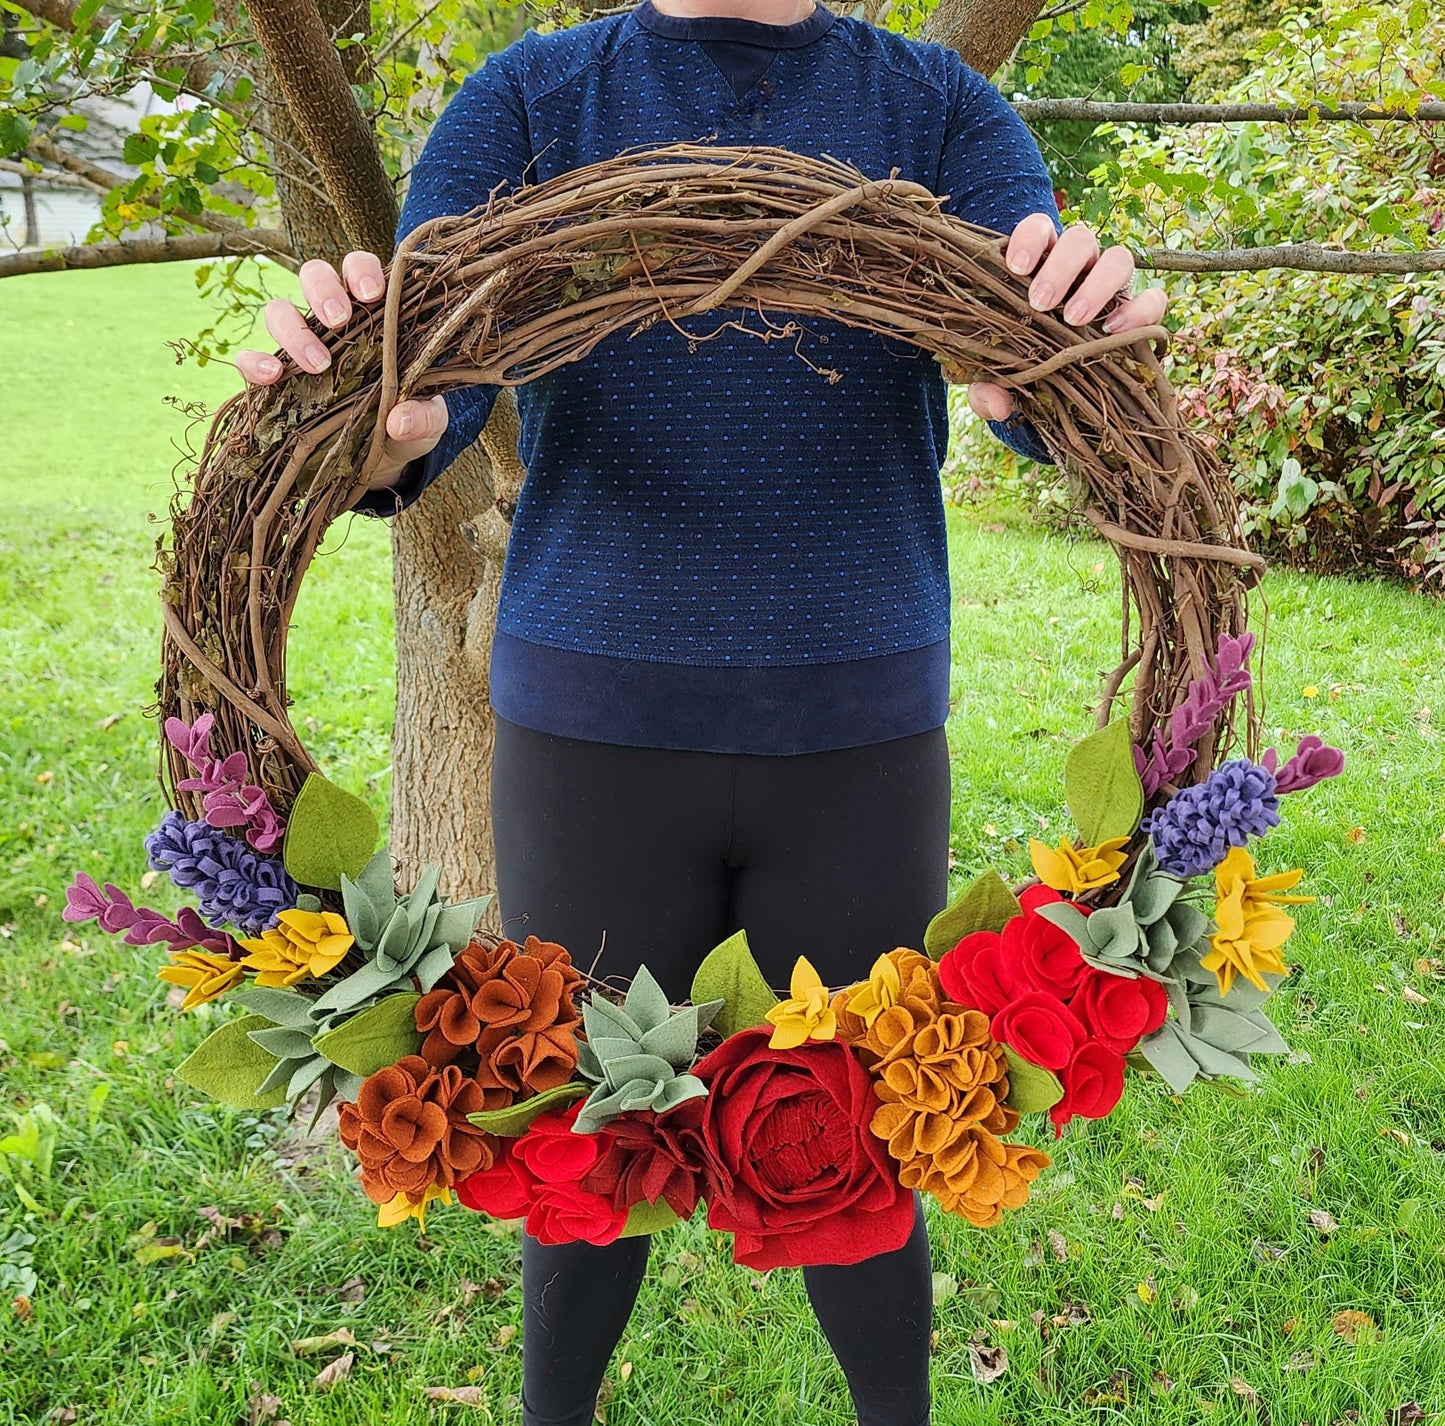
(720, 672)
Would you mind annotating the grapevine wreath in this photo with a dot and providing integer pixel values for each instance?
(463, 1062)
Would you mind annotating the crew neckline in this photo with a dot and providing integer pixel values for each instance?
(734, 27)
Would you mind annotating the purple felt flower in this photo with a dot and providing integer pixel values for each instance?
(112, 908)
(1195, 829)
(1313, 761)
(228, 879)
(229, 801)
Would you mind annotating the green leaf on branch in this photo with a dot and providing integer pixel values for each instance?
(229, 1066)
(1102, 784)
(1031, 1088)
(377, 1037)
(329, 832)
(645, 1217)
(515, 1119)
(730, 974)
(987, 905)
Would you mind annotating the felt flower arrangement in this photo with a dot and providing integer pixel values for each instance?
(467, 1064)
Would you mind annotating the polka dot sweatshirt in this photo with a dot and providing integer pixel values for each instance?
(716, 547)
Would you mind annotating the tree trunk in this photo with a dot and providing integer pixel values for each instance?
(984, 32)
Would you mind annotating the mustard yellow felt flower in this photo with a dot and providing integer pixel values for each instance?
(872, 997)
(807, 1016)
(304, 943)
(1252, 927)
(206, 975)
(401, 1207)
(1075, 869)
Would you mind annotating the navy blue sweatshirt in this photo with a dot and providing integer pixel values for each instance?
(717, 548)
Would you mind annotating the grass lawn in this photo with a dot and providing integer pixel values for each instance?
(1167, 1268)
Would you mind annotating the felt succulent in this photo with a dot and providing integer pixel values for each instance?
(640, 1052)
(413, 936)
(1211, 1035)
(1145, 932)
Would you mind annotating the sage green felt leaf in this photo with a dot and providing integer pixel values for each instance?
(1031, 1088)
(675, 1039)
(281, 1007)
(646, 1001)
(371, 979)
(1135, 1061)
(433, 966)
(516, 1119)
(280, 1077)
(1165, 1052)
(588, 1065)
(230, 1066)
(310, 1071)
(306, 902)
(601, 1019)
(987, 905)
(458, 919)
(678, 1090)
(627, 1067)
(329, 834)
(284, 1042)
(376, 1037)
(644, 1218)
(348, 1085)
(729, 973)
(1102, 785)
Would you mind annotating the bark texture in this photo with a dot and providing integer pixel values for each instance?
(984, 32)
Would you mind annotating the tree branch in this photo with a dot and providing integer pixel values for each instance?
(185, 248)
(1309, 257)
(1101, 110)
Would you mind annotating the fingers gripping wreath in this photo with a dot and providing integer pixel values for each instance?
(465, 1063)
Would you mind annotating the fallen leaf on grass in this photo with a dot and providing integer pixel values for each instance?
(944, 1286)
(1148, 1292)
(1161, 1383)
(1323, 1222)
(1116, 1393)
(1352, 1325)
(987, 1363)
(1244, 1390)
(1407, 1413)
(1413, 996)
(1059, 1245)
(62, 1415)
(334, 1372)
(261, 1406)
(308, 1346)
(1300, 1362)
(462, 1395)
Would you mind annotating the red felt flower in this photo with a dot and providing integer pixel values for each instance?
(556, 1159)
(1093, 1080)
(505, 1190)
(789, 1167)
(1041, 1028)
(1120, 1010)
(978, 974)
(646, 1157)
(1040, 954)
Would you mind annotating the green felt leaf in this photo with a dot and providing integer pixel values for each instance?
(985, 906)
(377, 1037)
(310, 1071)
(284, 1042)
(281, 1075)
(515, 1119)
(329, 833)
(229, 1065)
(729, 973)
(1031, 1088)
(602, 1019)
(675, 1039)
(645, 1217)
(360, 985)
(434, 965)
(1102, 785)
(646, 1001)
(1166, 1053)
(281, 1007)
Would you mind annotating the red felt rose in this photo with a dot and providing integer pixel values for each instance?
(789, 1167)
(1041, 955)
(1118, 1009)
(1032, 897)
(646, 1157)
(505, 1190)
(1041, 1028)
(978, 974)
(1093, 1081)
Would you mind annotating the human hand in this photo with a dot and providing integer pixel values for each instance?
(412, 427)
(1070, 253)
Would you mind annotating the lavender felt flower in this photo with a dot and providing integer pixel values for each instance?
(113, 909)
(1314, 760)
(1195, 829)
(229, 880)
(229, 800)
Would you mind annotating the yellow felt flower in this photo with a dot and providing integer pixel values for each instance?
(304, 943)
(207, 975)
(872, 997)
(1075, 869)
(1252, 927)
(807, 1016)
(401, 1207)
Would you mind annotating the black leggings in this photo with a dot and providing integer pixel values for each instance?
(838, 856)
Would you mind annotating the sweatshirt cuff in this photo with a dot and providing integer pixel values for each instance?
(1023, 437)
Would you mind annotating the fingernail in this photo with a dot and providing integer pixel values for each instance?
(368, 287)
(269, 366)
(1074, 312)
(1110, 323)
(333, 311)
(318, 357)
(1041, 296)
(404, 424)
(1022, 263)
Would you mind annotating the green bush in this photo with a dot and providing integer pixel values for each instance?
(1323, 392)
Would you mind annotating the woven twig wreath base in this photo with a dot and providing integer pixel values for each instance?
(536, 278)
